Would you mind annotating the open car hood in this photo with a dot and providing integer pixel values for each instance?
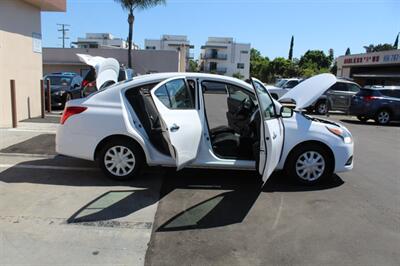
(107, 69)
(308, 91)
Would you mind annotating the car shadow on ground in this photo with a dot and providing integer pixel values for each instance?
(370, 123)
(239, 191)
(228, 207)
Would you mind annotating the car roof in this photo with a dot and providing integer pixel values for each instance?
(148, 78)
(346, 81)
(377, 87)
(68, 74)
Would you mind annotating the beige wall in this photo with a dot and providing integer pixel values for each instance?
(18, 20)
(143, 61)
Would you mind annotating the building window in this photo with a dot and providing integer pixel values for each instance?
(244, 52)
(240, 65)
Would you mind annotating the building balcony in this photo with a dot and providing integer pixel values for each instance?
(190, 56)
(218, 56)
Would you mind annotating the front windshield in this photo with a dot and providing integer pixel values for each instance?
(266, 104)
(59, 80)
(280, 83)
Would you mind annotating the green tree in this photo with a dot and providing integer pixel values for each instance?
(259, 65)
(396, 42)
(315, 59)
(331, 55)
(193, 66)
(348, 52)
(378, 48)
(130, 6)
(291, 48)
(238, 75)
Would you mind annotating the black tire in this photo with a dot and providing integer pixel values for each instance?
(298, 152)
(135, 153)
(362, 118)
(383, 117)
(320, 106)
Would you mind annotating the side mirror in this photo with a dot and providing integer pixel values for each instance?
(286, 112)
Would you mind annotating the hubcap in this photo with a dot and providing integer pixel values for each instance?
(322, 108)
(310, 166)
(383, 117)
(119, 160)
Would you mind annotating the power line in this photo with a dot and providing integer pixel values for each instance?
(64, 29)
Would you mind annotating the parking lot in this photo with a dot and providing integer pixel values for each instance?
(59, 210)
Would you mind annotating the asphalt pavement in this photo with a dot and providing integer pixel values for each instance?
(60, 210)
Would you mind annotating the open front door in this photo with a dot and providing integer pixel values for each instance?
(180, 120)
(271, 131)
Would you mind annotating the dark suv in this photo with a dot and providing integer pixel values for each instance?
(378, 102)
(64, 86)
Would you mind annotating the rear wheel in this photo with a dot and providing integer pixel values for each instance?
(362, 118)
(309, 164)
(383, 117)
(321, 108)
(121, 160)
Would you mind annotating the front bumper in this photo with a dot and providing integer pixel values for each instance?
(344, 157)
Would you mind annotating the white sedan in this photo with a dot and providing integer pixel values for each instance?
(169, 120)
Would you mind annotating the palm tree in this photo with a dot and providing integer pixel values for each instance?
(130, 6)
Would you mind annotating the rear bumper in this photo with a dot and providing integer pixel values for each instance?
(75, 145)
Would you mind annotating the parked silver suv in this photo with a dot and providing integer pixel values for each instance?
(336, 98)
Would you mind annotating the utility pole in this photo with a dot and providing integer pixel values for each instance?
(63, 28)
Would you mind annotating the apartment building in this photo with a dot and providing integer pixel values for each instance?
(21, 55)
(225, 57)
(102, 40)
(173, 43)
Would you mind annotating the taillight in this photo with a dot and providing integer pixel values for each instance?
(70, 111)
(369, 98)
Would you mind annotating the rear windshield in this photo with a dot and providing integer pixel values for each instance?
(59, 80)
(368, 92)
(391, 93)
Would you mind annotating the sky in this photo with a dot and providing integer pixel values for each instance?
(267, 24)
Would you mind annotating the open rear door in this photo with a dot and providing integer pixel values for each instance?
(271, 131)
(180, 120)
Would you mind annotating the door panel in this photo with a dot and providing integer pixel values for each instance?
(271, 132)
(180, 120)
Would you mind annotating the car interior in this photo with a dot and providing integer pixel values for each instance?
(233, 130)
(234, 126)
(143, 105)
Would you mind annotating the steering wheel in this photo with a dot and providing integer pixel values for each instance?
(245, 104)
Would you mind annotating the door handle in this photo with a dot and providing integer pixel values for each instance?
(274, 135)
(174, 128)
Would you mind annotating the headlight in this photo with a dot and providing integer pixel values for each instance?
(341, 133)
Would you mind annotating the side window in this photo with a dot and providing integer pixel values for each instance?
(291, 84)
(162, 95)
(267, 106)
(239, 94)
(339, 87)
(353, 88)
(176, 95)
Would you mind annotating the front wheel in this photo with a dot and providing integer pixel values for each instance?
(121, 160)
(309, 164)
